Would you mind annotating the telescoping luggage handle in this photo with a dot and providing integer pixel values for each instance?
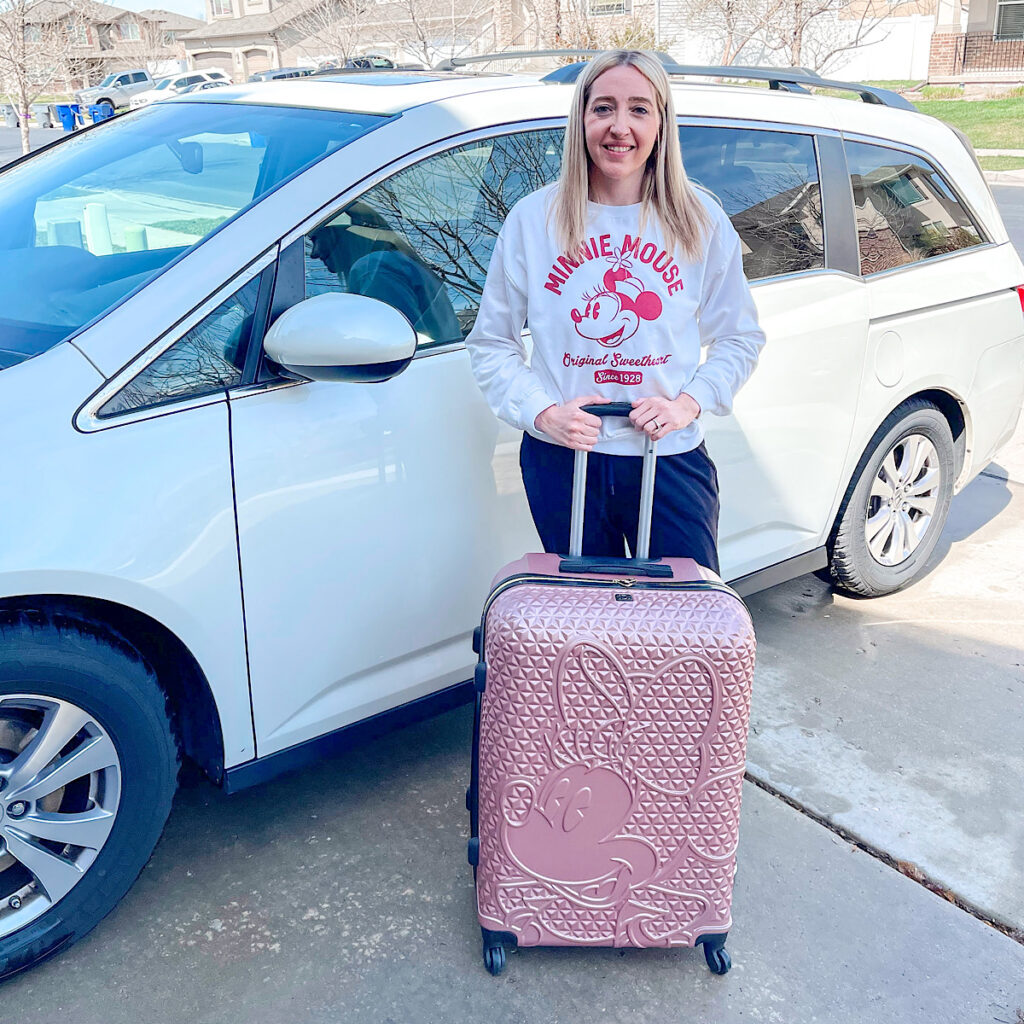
(640, 564)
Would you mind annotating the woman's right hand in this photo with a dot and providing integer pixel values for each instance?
(569, 425)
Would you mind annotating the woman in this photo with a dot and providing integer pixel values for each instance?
(623, 271)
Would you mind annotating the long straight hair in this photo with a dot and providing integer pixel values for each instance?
(665, 190)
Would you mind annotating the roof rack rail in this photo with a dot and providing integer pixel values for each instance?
(453, 63)
(786, 79)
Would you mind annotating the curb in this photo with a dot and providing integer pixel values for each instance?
(1005, 177)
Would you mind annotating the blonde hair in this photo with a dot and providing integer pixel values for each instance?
(665, 189)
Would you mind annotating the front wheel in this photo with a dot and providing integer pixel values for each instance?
(896, 505)
(88, 768)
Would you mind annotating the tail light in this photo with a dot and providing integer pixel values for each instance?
(1020, 295)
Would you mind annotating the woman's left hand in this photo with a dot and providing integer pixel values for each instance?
(660, 416)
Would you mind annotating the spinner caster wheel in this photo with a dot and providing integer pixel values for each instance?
(718, 960)
(494, 959)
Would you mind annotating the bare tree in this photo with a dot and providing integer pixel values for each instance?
(791, 33)
(37, 38)
(330, 28)
(432, 30)
(813, 33)
(733, 26)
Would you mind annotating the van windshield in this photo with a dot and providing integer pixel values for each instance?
(89, 220)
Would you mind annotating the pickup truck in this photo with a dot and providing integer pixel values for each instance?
(117, 89)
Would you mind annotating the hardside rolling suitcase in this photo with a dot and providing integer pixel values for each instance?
(612, 707)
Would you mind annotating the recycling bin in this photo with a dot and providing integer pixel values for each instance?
(68, 114)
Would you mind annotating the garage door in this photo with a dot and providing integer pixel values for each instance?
(256, 60)
(213, 59)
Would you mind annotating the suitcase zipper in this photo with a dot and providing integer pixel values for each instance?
(630, 581)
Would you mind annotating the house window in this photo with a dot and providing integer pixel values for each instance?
(610, 6)
(222, 8)
(1010, 19)
(78, 33)
(130, 30)
(33, 34)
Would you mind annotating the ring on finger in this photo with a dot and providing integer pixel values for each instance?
(655, 425)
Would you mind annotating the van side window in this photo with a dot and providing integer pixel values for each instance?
(905, 210)
(767, 181)
(208, 358)
(421, 240)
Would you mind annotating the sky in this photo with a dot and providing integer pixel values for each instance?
(193, 8)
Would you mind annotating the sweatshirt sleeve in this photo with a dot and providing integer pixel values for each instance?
(496, 351)
(728, 325)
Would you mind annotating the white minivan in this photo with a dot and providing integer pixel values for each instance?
(252, 498)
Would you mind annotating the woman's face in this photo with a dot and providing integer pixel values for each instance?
(620, 124)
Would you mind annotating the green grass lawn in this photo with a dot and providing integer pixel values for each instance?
(989, 124)
(1002, 163)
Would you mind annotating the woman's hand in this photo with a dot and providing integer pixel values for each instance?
(660, 416)
(569, 425)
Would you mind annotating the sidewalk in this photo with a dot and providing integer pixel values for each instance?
(1003, 177)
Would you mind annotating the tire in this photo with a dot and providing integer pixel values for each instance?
(70, 687)
(99, 103)
(897, 502)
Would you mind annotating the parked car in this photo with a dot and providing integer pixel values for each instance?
(203, 87)
(175, 84)
(365, 62)
(246, 511)
(376, 61)
(274, 73)
(116, 89)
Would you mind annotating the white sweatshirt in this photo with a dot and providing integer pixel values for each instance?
(626, 320)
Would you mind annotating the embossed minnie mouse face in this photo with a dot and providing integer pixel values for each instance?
(571, 833)
(587, 804)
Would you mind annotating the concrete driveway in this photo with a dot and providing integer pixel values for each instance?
(342, 894)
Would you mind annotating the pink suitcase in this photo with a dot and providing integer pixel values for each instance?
(613, 701)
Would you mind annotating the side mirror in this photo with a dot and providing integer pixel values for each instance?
(338, 336)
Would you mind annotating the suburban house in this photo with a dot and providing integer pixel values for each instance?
(945, 41)
(246, 36)
(102, 38)
(978, 41)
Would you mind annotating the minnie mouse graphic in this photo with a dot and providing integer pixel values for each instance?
(613, 313)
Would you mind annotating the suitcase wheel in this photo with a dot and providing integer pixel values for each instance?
(494, 959)
(718, 960)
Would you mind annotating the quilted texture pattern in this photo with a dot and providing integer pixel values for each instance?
(612, 744)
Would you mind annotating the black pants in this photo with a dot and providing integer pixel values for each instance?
(685, 522)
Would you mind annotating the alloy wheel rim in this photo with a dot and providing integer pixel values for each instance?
(60, 789)
(902, 501)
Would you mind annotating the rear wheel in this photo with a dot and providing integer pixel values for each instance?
(896, 505)
(88, 768)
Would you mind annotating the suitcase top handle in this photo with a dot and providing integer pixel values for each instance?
(579, 488)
